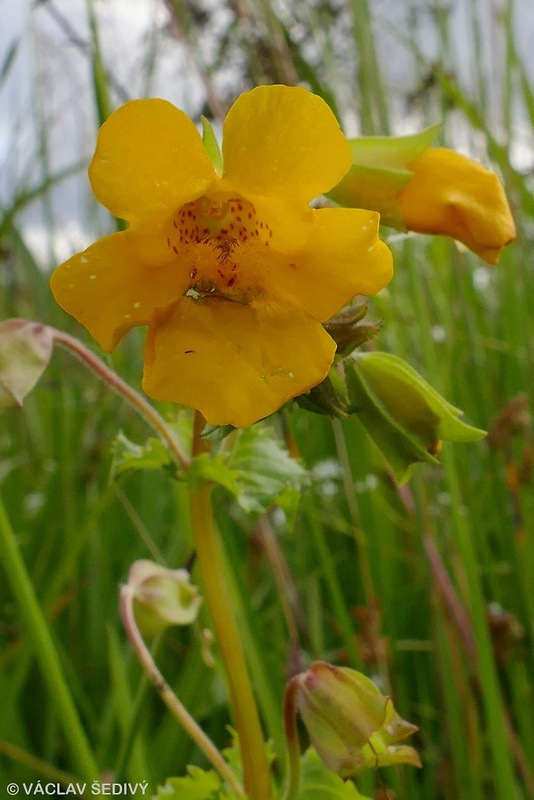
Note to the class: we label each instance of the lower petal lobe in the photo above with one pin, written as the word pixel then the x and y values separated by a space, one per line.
pixel 235 363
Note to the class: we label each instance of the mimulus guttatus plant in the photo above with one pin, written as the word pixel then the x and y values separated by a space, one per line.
pixel 234 274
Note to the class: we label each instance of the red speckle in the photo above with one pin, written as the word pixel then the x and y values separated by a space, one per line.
pixel 261 224
pixel 221 273
pixel 174 223
pixel 175 249
pixel 193 274
pixel 231 280
pixel 250 214
pixel 168 242
pixel 188 351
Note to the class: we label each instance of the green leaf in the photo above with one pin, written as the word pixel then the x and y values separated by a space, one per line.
pixel 318 783
pixel 402 413
pixel 211 145
pixel 264 468
pixel 207 785
pixel 213 469
pixel 258 471
pixel 129 456
pixel 197 785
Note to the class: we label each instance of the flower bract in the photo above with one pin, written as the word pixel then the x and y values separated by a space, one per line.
pixel 232 273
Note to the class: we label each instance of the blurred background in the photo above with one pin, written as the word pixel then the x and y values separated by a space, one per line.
pixel 428 588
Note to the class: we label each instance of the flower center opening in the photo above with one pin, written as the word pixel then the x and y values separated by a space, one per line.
pixel 224 223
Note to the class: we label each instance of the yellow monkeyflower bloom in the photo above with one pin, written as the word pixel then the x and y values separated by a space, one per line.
pixel 232 273
pixel 454 195
pixel 428 190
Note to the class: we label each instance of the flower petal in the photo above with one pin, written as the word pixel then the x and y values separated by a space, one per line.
pixel 343 257
pixel 285 141
pixel 235 363
pixel 453 195
pixel 149 160
pixel 110 288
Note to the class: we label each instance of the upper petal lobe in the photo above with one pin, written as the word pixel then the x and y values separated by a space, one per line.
pixel 284 141
pixel 149 160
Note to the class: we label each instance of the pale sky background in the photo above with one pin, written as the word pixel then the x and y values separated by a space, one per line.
pixel 48 87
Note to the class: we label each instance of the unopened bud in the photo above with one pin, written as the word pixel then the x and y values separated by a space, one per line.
pixel 162 596
pixel 350 723
pixel 348 331
pixel 25 350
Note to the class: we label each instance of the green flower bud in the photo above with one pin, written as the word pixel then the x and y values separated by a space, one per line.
pixel 351 724
pixel 162 597
pixel 405 417
pixel 348 331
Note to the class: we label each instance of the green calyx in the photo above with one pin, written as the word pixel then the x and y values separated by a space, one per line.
pixel 379 172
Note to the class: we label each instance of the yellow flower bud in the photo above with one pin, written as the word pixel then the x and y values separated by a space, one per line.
pixel 453 195
pixel 428 190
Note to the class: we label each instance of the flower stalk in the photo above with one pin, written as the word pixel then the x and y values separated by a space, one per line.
pixel 142 406
pixel 196 733
pixel 292 739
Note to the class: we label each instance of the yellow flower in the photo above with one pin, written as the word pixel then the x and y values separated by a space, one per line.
pixel 233 274
pixel 454 195
pixel 428 190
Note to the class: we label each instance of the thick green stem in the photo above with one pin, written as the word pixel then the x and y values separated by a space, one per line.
pixel 211 565
pixel 45 652
pixel 210 560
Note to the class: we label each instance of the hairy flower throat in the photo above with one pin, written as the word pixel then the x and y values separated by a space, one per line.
pixel 211 236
